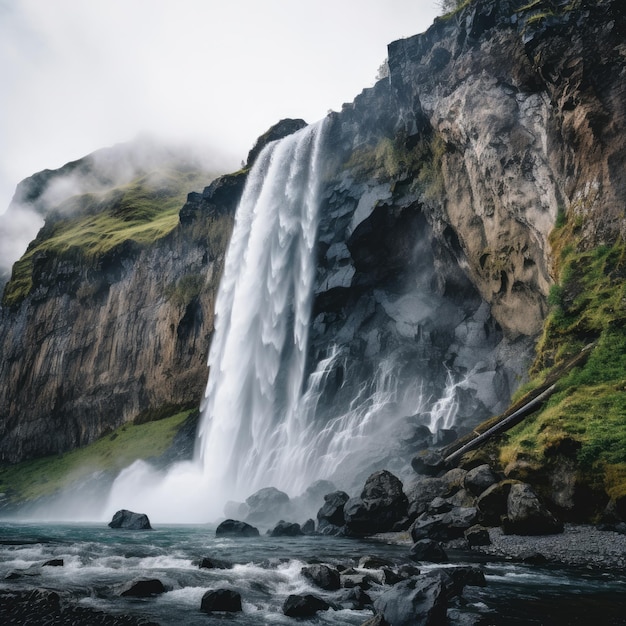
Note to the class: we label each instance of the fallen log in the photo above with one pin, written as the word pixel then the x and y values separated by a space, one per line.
pixel 516 413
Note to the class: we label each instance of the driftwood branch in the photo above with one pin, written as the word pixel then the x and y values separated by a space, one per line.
pixel 503 425
pixel 526 406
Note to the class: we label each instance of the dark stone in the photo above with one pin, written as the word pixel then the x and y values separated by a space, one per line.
pixel 389 577
pixel 377 620
pixel 281 129
pixel 421 492
pixel 354 579
pixel 308 528
pixel 446 436
pixel 130 521
pixel 420 601
pixel 429 551
pixel 479 479
pixel 144 588
pixel 355 599
pixel 477 536
pixel 267 505
pixel 235 528
pixel 493 502
pixel 225 600
pixel 331 513
pixel 526 515
pixel 286 529
pixel 54 563
pixel 374 562
pixel 211 563
pixel 382 504
pixel 428 463
pixel 322 576
pixel 406 570
pixel 445 526
pixel 463 576
pixel 304 606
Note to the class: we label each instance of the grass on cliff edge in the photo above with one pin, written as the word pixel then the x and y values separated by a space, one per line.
pixel 113 452
pixel 144 210
pixel 588 304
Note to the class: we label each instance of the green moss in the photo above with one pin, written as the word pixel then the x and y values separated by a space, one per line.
pixel 588 304
pixel 90 225
pixel 45 476
pixel 185 289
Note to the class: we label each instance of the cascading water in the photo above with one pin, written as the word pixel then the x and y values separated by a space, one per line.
pixel 264 421
pixel 251 417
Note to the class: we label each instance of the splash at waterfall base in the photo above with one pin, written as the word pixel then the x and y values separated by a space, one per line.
pixel 345 329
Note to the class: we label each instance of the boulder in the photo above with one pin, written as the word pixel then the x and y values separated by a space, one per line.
pixel 236 528
pixel 355 599
pixel 421 492
pixel 308 528
pixel 331 514
pixel 493 502
pixel 479 479
pixel 225 600
pixel 143 588
pixel 428 463
pixel 304 605
pixel 267 505
pixel 381 506
pixel 54 563
pixel 526 515
pixel 322 576
pixel 419 601
pixel 354 579
pixel 130 521
pixel 374 562
pixel 454 480
pixel 429 551
pixel 286 529
pixel 445 526
pixel 477 536
pixel 377 620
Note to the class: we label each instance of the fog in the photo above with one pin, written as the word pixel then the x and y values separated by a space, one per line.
pixel 77 76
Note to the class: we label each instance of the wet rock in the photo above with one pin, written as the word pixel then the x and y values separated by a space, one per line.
pixel 331 516
pixel 381 505
pixel 354 579
pixel 267 505
pixel 479 479
pixel 377 620
pixel 236 528
pixel 308 528
pixel 304 605
pixel 526 515
pixel 212 563
pixel 493 502
pixel 130 520
pixel 389 577
pixel 477 536
pixel 429 551
pixel 225 600
pixel 322 576
pixel 428 463
pixel 419 601
pixel 286 529
pixel 454 480
pixel 445 526
pixel 406 570
pixel 421 492
pixel 143 588
pixel 355 599
pixel 54 563
pixel 374 562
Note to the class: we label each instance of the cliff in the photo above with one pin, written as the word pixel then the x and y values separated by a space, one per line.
pixel 437 253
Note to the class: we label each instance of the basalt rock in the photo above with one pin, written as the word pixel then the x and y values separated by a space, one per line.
pixel 304 605
pixel 526 515
pixel 381 505
pixel 130 520
pixel 330 518
pixel 236 528
pixel 221 600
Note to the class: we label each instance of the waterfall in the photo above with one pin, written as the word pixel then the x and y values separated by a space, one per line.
pixel 251 414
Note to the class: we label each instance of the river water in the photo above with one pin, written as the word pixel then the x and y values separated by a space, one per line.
pixel 99 561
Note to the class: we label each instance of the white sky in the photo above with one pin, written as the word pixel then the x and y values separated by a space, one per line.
pixel 78 75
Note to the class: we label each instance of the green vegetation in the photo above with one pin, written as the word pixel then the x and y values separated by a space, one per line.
pixel 90 225
pixel 45 476
pixel 391 158
pixel 588 305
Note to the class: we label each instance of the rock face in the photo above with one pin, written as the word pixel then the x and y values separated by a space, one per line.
pixel 130 521
pixel 225 600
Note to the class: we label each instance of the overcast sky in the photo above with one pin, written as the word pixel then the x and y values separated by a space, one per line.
pixel 78 75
